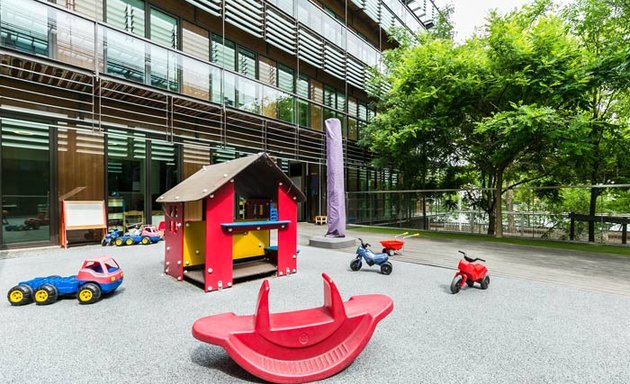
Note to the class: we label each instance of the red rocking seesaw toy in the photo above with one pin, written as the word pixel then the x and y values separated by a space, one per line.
pixel 298 346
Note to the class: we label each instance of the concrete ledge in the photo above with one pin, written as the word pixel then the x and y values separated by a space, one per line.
pixel 332 242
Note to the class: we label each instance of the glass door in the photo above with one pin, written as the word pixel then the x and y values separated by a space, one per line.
pixel 25 184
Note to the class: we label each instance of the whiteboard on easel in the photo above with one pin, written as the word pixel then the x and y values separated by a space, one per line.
pixel 84 215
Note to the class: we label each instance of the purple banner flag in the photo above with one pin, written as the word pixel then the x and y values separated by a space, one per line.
pixel 335 177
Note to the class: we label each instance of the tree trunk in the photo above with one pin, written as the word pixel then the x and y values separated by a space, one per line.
pixel 509 204
pixel 591 212
pixel 498 231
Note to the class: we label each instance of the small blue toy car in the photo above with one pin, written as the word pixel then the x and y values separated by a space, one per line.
pixel 371 258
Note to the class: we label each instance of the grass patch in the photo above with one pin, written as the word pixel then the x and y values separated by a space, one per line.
pixel 598 248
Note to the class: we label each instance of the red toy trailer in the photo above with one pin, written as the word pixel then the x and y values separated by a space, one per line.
pixel 391 247
pixel 298 346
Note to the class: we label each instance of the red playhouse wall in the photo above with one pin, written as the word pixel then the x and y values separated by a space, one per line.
pixel 287 237
pixel 219 210
pixel 174 239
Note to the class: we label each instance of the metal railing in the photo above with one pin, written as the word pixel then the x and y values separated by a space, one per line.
pixel 526 212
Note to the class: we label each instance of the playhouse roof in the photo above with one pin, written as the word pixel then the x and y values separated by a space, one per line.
pixel 255 176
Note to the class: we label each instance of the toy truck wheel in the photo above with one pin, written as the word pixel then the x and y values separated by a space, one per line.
pixel 145 241
pixel 456 284
pixel 470 283
pixel 46 294
pixel 118 242
pixel 129 241
pixel 89 293
pixel 21 294
pixel 485 282
pixel 386 268
pixel 355 265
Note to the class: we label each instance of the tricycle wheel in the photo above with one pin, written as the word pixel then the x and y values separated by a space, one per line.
pixel 355 265
pixel 89 293
pixel 456 284
pixel 129 241
pixel 21 294
pixel 104 242
pixel 470 282
pixel 145 241
pixel 485 282
pixel 118 242
pixel 46 294
pixel 386 268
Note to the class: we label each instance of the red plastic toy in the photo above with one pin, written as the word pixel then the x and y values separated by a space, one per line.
pixel 469 273
pixel 298 346
pixel 391 247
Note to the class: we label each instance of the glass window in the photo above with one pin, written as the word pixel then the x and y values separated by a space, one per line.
pixel 353 133
pixel 286 82
pixel 125 56
pixel 303 104
pixel 341 101
pixel 286 79
pixel 127 15
pixel 24 26
pixel 195 41
pixel 267 71
pixel 352 106
pixel 25 184
pixel 330 97
pixel 126 178
pixel 164 175
pixel 90 8
pixel 317 96
pixel 223 53
pixel 247 62
pixel 163 29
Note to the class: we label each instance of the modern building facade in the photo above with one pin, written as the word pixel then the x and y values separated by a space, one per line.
pixel 119 100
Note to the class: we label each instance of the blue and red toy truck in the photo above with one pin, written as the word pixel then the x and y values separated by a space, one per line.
pixel 145 235
pixel 97 276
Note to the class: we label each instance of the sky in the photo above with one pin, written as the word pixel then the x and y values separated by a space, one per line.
pixel 470 14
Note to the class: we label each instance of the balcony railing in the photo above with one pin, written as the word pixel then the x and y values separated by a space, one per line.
pixel 45 30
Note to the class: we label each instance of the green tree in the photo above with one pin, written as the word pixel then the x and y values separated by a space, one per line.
pixel 603 31
pixel 499 103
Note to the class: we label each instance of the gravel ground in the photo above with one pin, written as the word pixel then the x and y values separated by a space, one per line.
pixel 517 331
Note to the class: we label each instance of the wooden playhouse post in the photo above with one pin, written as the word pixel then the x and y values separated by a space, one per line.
pixel 174 239
pixel 218 266
pixel 287 237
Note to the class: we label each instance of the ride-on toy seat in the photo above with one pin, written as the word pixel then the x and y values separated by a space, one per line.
pixel 299 346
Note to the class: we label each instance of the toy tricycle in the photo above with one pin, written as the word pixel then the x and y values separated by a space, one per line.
pixel 371 258
pixel 391 247
pixel 470 273
pixel 97 276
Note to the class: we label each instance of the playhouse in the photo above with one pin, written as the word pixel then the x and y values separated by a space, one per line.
pixel 230 221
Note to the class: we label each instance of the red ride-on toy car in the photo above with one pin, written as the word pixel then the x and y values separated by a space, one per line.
pixel 469 273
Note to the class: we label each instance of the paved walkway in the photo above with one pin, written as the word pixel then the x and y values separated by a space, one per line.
pixel 583 270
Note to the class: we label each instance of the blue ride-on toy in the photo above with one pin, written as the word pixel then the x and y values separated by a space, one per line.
pixel 371 258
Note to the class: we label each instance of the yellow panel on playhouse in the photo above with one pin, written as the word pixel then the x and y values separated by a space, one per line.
pixel 195 243
pixel 249 244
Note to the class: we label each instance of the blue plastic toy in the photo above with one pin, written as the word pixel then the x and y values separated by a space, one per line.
pixel 371 258
pixel 97 276
pixel 111 237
